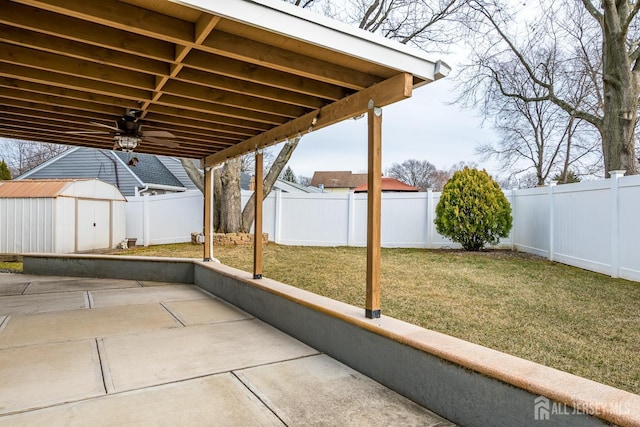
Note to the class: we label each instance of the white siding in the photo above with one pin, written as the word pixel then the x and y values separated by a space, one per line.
pixel 27 225
pixel 65 229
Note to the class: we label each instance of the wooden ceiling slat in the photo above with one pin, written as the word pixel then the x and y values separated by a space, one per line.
pixel 188 115
pixel 28 86
pixel 58 102
pixel 108 144
pixel 279 59
pixel 81 51
pixel 129 18
pixel 79 123
pixel 54 24
pixel 75 83
pixel 227 111
pixel 25 113
pixel 60 122
pixel 41 60
pixel 115 14
pixel 194 123
pixel 247 88
pixel 223 97
pixel 262 75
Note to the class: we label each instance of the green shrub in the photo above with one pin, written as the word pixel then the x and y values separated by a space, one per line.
pixel 5 174
pixel 473 210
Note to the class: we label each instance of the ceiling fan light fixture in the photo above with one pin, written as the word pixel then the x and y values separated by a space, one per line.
pixel 127 143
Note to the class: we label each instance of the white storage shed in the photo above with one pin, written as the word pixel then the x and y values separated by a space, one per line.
pixel 60 216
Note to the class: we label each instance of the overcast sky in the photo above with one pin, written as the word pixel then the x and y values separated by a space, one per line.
pixel 423 127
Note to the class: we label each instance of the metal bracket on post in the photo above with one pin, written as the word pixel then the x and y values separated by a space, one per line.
pixel 372 314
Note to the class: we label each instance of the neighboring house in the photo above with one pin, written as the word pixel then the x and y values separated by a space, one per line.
pixel 389 185
pixel 338 181
pixel 131 173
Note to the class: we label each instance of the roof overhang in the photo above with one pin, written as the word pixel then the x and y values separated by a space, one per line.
pixel 225 77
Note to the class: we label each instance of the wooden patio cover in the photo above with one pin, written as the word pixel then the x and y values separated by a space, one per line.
pixel 225 77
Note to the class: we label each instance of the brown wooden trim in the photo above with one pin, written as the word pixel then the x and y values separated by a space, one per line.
pixel 374 200
pixel 257 229
pixel 208 212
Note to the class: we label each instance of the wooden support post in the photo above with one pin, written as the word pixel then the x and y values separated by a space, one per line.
pixel 208 213
pixel 374 203
pixel 257 228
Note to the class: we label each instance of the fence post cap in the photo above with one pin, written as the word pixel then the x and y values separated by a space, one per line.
pixel 617 173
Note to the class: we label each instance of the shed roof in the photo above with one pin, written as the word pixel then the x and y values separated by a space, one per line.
pixel 33 188
pixel 390 185
pixel 224 77
pixel 52 188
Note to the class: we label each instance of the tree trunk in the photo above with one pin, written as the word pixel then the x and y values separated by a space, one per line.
pixel 565 168
pixel 230 218
pixel 193 173
pixel 269 180
pixel 620 87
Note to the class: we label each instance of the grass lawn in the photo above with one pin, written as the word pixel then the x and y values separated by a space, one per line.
pixel 570 319
pixel 10 265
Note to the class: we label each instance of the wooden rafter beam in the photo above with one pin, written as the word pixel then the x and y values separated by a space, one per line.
pixel 384 93
pixel 237 85
pixel 54 24
pixel 191 129
pixel 40 60
pixel 82 51
pixel 283 60
pixel 240 70
pixel 217 101
pixel 78 83
pixel 130 18
pixel 39 88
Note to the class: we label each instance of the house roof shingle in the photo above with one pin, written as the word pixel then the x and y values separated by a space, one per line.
pixel 150 169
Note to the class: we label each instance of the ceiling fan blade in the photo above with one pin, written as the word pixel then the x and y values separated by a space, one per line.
pixel 158 133
pixel 163 142
pixel 114 128
pixel 87 132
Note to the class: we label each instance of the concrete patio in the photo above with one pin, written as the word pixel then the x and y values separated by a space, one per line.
pixel 82 351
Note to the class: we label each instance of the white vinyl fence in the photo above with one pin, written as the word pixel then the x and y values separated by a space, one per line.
pixel 591 225
pixel 164 218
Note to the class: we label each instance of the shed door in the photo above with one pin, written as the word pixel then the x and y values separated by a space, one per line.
pixel 94 224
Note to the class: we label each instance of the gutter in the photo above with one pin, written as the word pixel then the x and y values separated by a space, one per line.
pixel 147 187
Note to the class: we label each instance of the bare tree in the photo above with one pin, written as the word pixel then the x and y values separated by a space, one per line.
pixel 596 85
pixel 22 156
pixel 439 178
pixel 423 23
pixel 305 181
pixel 541 138
pixel 419 173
